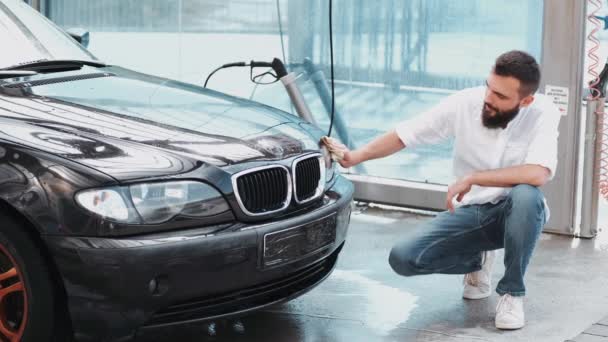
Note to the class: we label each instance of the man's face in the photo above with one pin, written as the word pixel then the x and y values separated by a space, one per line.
pixel 502 101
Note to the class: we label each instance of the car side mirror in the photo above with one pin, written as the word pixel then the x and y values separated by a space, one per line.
pixel 80 35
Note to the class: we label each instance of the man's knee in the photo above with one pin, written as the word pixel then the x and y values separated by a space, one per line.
pixel 526 215
pixel 403 260
pixel 527 197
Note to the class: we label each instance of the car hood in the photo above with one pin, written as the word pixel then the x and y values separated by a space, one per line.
pixel 132 125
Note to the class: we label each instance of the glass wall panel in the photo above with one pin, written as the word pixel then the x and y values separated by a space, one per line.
pixel 393 58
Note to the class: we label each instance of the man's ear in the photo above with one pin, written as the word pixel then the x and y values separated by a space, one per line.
pixel 526 101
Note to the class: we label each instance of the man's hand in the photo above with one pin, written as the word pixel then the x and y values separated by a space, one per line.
pixel 459 189
pixel 339 152
pixel 380 147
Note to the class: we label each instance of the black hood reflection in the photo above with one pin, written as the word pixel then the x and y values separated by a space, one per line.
pixel 131 123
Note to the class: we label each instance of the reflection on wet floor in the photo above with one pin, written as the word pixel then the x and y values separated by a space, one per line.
pixel 364 300
pixel 385 307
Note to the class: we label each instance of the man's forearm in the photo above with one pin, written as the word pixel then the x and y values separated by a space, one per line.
pixel 381 146
pixel 535 175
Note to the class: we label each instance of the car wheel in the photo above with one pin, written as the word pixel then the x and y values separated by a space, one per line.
pixel 27 303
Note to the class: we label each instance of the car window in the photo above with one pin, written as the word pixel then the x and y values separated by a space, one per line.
pixel 27 36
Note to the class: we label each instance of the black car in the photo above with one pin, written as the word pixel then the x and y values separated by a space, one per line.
pixel 130 202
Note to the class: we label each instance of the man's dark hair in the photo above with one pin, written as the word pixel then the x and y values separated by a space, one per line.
pixel 521 66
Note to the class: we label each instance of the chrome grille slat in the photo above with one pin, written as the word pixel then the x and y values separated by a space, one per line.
pixel 307 180
pixel 268 189
pixel 263 190
pixel 266 196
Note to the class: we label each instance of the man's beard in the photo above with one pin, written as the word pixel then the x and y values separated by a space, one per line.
pixel 500 119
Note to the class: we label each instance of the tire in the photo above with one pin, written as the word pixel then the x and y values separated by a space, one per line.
pixel 28 313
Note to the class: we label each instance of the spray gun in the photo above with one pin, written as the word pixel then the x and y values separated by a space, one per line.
pixel 280 74
pixel 297 99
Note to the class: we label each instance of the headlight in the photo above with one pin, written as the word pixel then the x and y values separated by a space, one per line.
pixel 154 203
pixel 107 203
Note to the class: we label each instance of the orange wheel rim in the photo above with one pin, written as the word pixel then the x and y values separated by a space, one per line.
pixel 13 298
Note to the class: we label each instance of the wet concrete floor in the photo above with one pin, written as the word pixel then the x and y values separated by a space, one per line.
pixel 364 300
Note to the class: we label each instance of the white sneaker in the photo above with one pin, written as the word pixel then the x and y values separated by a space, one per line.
pixel 510 312
pixel 477 285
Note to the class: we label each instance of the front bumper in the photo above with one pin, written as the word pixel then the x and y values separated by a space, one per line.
pixel 116 287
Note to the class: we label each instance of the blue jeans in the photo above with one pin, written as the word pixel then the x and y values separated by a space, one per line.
pixel 452 243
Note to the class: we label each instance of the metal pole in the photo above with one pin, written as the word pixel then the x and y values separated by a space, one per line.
pixel 562 65
pixel 35 4
pixel 289 81
pixel 320 83
pixel 591 174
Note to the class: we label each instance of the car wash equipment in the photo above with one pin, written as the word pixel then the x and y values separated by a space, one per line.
pixel 594 164
pixel 278 73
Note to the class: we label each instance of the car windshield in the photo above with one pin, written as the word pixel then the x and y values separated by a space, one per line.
pixel 26 36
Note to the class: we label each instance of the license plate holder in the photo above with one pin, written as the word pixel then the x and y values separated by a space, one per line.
pixel 295 243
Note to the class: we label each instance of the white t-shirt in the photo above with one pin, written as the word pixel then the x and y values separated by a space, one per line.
pixel 530 138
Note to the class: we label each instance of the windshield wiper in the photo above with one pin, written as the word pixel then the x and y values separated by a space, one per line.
pixel 16 73
pixel 54 65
